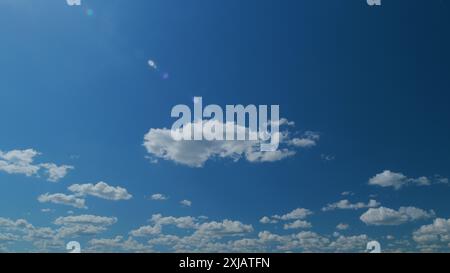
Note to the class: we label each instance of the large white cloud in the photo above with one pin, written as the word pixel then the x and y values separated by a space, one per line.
pixel 437 232
pixel 390 217
pixel 160 145
pixel 22 162
pixel 101 190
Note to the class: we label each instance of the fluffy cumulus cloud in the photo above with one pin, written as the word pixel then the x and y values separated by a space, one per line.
pixel 199 227
pixel 86 219
pixel 72 226
pixel 181 234
pixel 55 172
pixel 118 244
pixel 100 190
pixel 22 162
pixel 159 197
pixel 186 203
pixel 77 200
pixel 383 216
pixel 267 220
pixel 299 213
pixel 398 180
pixel 145 231
pixel 157 222
pixel 297 224
pixel 296 215
pixel 160 145
pixel 349 243
pixel 435 233
pixel 63 199
pixel 345 204
pixel 54 238
pixel 309 139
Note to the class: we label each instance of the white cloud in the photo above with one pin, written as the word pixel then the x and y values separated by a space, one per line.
pixel 390 217
pixel 267 220
pixel 347 193
pixel 307 241
pixel 297 224
pixel 421 181
pixel 22 162
pixel 118 244
pixel 158 221
pixel 307 141
pixel 299 213
pixel 342 226
pixel 180 222
pixel 160 144
pixel 79 230
pixel 101 190
pixel 19 162
pixel 441 180
pixel 186 203
pixel 296 214
pixel 350 243
pixel 437 232
pixel 159 197
pixel 4 237
pixel 86 219
pixel 63 199
pixel 398 180
pixel 83 225
pixel 303 142
pixel 345 204
pixel 145 231
pixel 55 172
pixel 389 179
pixel 224 228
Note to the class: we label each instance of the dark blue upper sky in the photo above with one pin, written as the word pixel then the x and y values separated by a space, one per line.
pixel 373 82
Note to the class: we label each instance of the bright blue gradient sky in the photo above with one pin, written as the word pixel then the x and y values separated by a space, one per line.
pixel 373 82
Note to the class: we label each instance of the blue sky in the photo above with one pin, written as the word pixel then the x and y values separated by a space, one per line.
pixel 370 82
